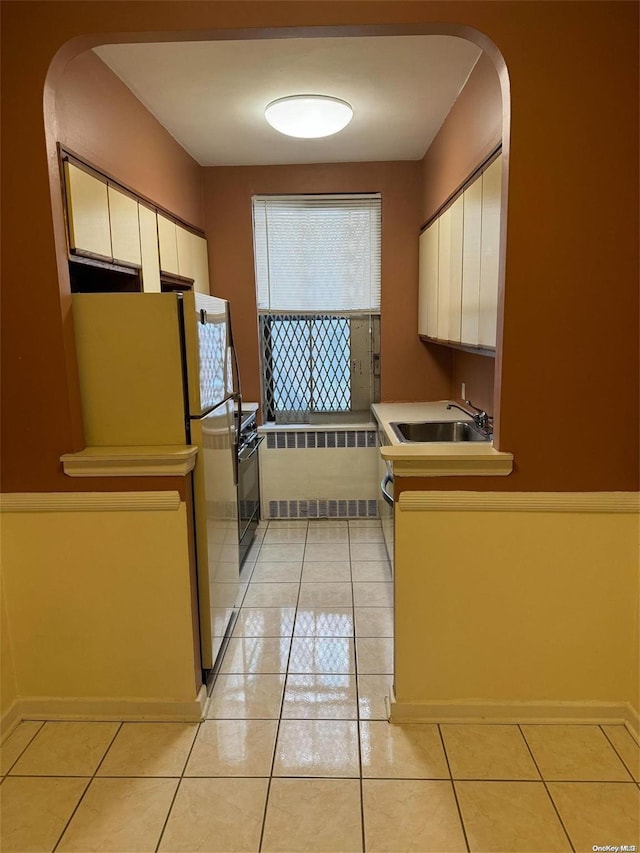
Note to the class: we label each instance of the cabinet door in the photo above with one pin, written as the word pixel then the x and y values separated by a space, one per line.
pixel 185 251
pixel 490 259
pixel 125 229
pixel 428 287
pixel 444 274
pixel 200 265
pixel 471 262
pixel 456 222
pixel 149 249
pixel 88 213
pixel 167 240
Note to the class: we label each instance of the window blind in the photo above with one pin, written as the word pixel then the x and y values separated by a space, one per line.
pixel 317 253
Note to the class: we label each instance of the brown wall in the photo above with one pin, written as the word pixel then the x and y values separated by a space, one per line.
pixel 478 373
pixel 94 114
pixel 470 132
pixel 468 135
pixel 570 338
pixel 101 120
pixel 409 371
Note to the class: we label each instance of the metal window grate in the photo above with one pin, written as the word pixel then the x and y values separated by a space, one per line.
pixel 307 365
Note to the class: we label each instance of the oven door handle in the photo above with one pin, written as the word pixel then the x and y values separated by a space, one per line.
pixel 388 478
pixel 253 450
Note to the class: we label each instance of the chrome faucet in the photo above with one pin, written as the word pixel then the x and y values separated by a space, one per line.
pixel 479 416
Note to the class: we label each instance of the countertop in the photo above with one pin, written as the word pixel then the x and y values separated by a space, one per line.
pixel 437 459
pixel 146 461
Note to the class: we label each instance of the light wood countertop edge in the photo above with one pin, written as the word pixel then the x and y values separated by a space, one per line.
pixel 131 461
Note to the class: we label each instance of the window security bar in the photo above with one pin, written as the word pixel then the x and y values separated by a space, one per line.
pixel 307 365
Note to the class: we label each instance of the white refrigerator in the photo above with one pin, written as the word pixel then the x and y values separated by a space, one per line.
pixel 160 369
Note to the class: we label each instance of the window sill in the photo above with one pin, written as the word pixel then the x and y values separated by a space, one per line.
pixel 320 427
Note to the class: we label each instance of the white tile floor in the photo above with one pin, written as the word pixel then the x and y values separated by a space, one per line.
pixel 296 754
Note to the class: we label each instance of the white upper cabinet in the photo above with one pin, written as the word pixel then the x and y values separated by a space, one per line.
pixel 472 200
pixel 185 251
pixel 149 249
pixel 490 254
pixel 200 265
pixel 110 224
pixel 428 283
pixel 168 243
pixel 88 213
pixel 125 228
pixel 192 259
pixel 444 264
pixel 459 266
pixel 456 221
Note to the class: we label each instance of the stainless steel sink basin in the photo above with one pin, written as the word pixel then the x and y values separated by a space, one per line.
pixel 438 431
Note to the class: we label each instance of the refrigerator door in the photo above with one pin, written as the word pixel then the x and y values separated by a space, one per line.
pixel 208 351
pixel 216 522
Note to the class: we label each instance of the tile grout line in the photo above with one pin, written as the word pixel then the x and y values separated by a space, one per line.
pixel 618 754
pixel 330 719
pixel 453 788
pixel 544 782
pixel 355 660
pixel 180 779
pixel 193 743
pixel 88 785
pixel 284 690
pixel 27 745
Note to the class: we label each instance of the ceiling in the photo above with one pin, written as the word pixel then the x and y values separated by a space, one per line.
pixel 211 96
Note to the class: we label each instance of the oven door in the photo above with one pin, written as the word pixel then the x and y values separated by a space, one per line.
pixel 248 492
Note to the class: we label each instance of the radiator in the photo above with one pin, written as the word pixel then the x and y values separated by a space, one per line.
pixel 324 473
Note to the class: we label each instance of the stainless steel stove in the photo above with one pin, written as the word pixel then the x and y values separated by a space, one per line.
pixel 248 482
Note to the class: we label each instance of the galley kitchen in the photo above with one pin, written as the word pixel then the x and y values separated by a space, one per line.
pixel 300 411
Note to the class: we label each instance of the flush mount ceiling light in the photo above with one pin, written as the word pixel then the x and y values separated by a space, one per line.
pixel 308 116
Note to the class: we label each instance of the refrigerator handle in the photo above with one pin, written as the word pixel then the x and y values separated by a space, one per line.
pixel 236 392
pixel 234 356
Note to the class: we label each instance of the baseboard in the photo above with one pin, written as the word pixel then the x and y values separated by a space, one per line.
pixel 126 710
pixel 9 720
pixel 609 713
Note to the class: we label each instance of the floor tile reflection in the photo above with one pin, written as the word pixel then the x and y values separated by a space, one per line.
pixel 321 655
pixel 328 696
pixel 324 622
pixel 265 622
pixel 247 696
pixel 233 748
pixel 402 752
pixel 256 655
pixel 317 748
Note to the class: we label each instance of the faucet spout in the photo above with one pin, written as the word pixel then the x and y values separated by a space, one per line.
pixel 479 416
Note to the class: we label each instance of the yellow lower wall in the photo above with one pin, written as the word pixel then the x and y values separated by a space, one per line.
pixel 8 691
pixel 99 605
pixel 530 606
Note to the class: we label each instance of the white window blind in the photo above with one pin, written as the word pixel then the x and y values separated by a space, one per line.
pixel 317 253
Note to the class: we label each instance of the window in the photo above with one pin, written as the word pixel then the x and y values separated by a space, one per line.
pixel 317 261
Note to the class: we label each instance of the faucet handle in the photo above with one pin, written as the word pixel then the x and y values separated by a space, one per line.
pixel 475 408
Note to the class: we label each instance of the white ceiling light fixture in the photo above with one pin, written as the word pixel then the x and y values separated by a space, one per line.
pixel 308 116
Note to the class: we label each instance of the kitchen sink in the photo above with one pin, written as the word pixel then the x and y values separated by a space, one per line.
pixel 438 431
